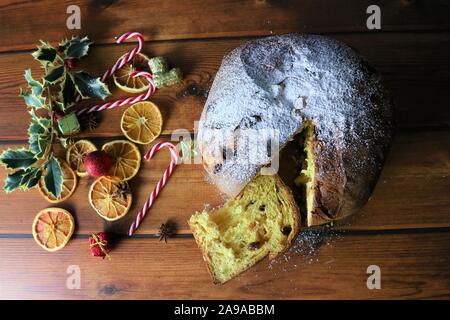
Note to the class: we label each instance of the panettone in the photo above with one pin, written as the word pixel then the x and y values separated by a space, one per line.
pixel 306 108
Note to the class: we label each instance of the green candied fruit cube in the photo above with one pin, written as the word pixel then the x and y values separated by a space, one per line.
pixel 169 78
pixel 158 65
pixel 69 124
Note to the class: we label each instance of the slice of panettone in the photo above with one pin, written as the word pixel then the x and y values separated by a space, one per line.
pixel 262 220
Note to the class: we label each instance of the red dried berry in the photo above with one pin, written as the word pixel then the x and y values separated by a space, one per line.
pixel 58 114
pixel 99 244
pixel 70 63
pixel 60 48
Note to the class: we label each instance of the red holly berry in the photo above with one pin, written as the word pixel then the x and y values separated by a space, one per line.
pixel 58 114
pixel 97 163
pixel 60 48
pixel 70 63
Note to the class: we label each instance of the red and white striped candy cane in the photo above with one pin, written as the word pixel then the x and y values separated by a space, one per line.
pixel 161 183
pixel 126 57
pixel 122 102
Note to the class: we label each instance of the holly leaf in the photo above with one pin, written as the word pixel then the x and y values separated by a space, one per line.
pixel 55 74
pixel 17 159
pixel 39 144
pixel 68 92
pixel 76 47
pixel 22 179
pixel 90 87
pixel 39 135
pixel 53 177
pixel 30 178
pixel 63 44
pixel 32 100
pixel 36 86
pixel 45 54
pixel 58 104
pixel 39 125
pixel 12 181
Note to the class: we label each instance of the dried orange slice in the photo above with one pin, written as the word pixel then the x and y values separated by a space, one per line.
pixel 125 158
pixel 123 79
pixel 110 198
pixel 142 122
pixel 68 186
pixel 76 153
pixel 52 228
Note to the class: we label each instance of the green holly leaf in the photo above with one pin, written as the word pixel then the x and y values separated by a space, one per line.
pixel 39 125
pixel 63 44
pixel 17 159
pixel 68 94
pixel 59 105
pixel 34 144
pixel 76 47
pixel 55 74
pixel 32 100
pixel 90 87
pixel 45 54
pixel 12 181
pixel 53 177
pixel 30 178
pixel 39 144
pixel 23 179
pixel 39 135
pixel 43 142
pixel 36 86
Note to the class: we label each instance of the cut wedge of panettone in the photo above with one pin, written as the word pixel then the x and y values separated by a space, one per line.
pixel 262 220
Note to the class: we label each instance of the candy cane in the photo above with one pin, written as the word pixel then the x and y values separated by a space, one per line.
pixel 122 102
pixel 161 183
pixel 126 57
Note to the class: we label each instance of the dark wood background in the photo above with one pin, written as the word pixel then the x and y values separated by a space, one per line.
pixel 404 228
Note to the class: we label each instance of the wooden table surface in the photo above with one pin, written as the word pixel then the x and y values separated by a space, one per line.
pixel 404 228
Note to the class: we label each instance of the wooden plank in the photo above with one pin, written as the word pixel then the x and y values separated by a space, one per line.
pixel 416 74
pixel 102 20
pixel 412 192
pixel 413 265
pixel 413 187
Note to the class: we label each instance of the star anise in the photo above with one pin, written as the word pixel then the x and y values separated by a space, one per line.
pixel 165 231
pixel 122 190
pixel 90 121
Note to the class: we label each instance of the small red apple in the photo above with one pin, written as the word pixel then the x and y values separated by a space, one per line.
pixel 97 163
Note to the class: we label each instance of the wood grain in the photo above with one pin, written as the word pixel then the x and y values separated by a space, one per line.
pixel 412 192
pixel 415 72
pixel 319 267
pixel 171 19
pixel 404 228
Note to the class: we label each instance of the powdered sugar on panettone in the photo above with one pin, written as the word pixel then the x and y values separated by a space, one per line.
pixel 277 83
